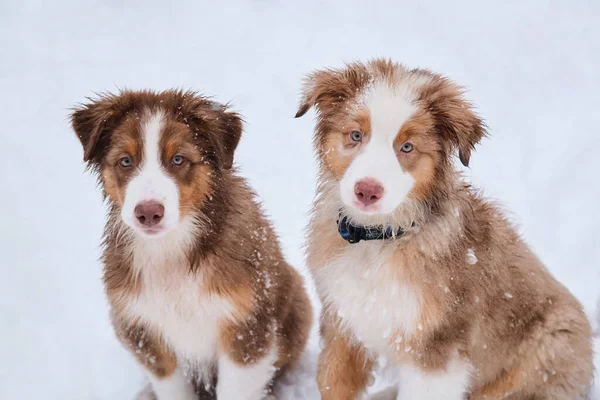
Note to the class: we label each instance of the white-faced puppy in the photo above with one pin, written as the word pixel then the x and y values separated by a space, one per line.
pixel 193 270
pixel 412 264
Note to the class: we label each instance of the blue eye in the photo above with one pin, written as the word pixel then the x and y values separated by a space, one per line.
pixel 178 160
pixel 407 147
pixel 356 136
pixel 125 162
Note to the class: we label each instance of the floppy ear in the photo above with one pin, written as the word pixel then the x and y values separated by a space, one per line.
pixel 454 117
pixel 230 138
pixel 313 87
pixel 331 87
pixel 225 128
pixel 91 122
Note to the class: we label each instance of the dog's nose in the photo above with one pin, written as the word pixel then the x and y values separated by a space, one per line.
pixel 149 213
pixel 368 191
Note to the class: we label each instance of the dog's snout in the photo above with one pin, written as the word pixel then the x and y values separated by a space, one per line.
pixel 368 191
pixel 149 213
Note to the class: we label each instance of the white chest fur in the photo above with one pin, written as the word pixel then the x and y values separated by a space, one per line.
pixel 175 304
pixel 362 286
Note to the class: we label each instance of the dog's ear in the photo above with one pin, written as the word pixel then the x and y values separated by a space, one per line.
pixel 92 122
pixel 329 87
pixel 224 126
pixel 231 124
pixel 314 86
pixel 454 117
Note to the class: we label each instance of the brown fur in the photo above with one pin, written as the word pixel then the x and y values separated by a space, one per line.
pixel 523 333
pixel 235 254
pixel 344 366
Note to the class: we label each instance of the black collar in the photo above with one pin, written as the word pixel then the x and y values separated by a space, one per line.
pixel 354 233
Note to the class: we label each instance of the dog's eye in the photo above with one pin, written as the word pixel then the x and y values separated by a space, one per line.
pixel 356 136
pixel 178 160
pixel 125 162
pixel 407 147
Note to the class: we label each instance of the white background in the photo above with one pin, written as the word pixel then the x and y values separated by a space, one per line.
pixel 531 67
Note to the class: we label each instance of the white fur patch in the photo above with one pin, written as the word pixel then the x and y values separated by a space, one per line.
pixel 389 108
pixel 175 303
pixel 377 310
pixel 174 387
pixel 245 382
pixel 451 384
pixel 151 183
pixel 151 253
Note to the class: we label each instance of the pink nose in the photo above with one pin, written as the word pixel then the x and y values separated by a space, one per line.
pixel 368 191
pixel 149 213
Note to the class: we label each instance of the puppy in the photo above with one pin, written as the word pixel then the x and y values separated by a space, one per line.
pixel 413 265
pixel 194 274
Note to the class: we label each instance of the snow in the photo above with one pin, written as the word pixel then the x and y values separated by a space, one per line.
pixel 531 68
pixel 471 257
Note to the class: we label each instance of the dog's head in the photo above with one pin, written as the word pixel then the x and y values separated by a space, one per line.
pixel 159 156
pixel 387 134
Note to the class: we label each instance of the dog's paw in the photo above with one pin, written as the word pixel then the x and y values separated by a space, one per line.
pixel 146 394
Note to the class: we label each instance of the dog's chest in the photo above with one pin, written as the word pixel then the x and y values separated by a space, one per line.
pixel 175 304
pixel 362 285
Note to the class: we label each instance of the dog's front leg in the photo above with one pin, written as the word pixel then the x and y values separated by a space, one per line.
pixel 167 379
pixel 344 366
pixel 248 359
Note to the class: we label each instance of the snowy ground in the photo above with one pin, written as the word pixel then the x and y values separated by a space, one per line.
pixel 531 67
